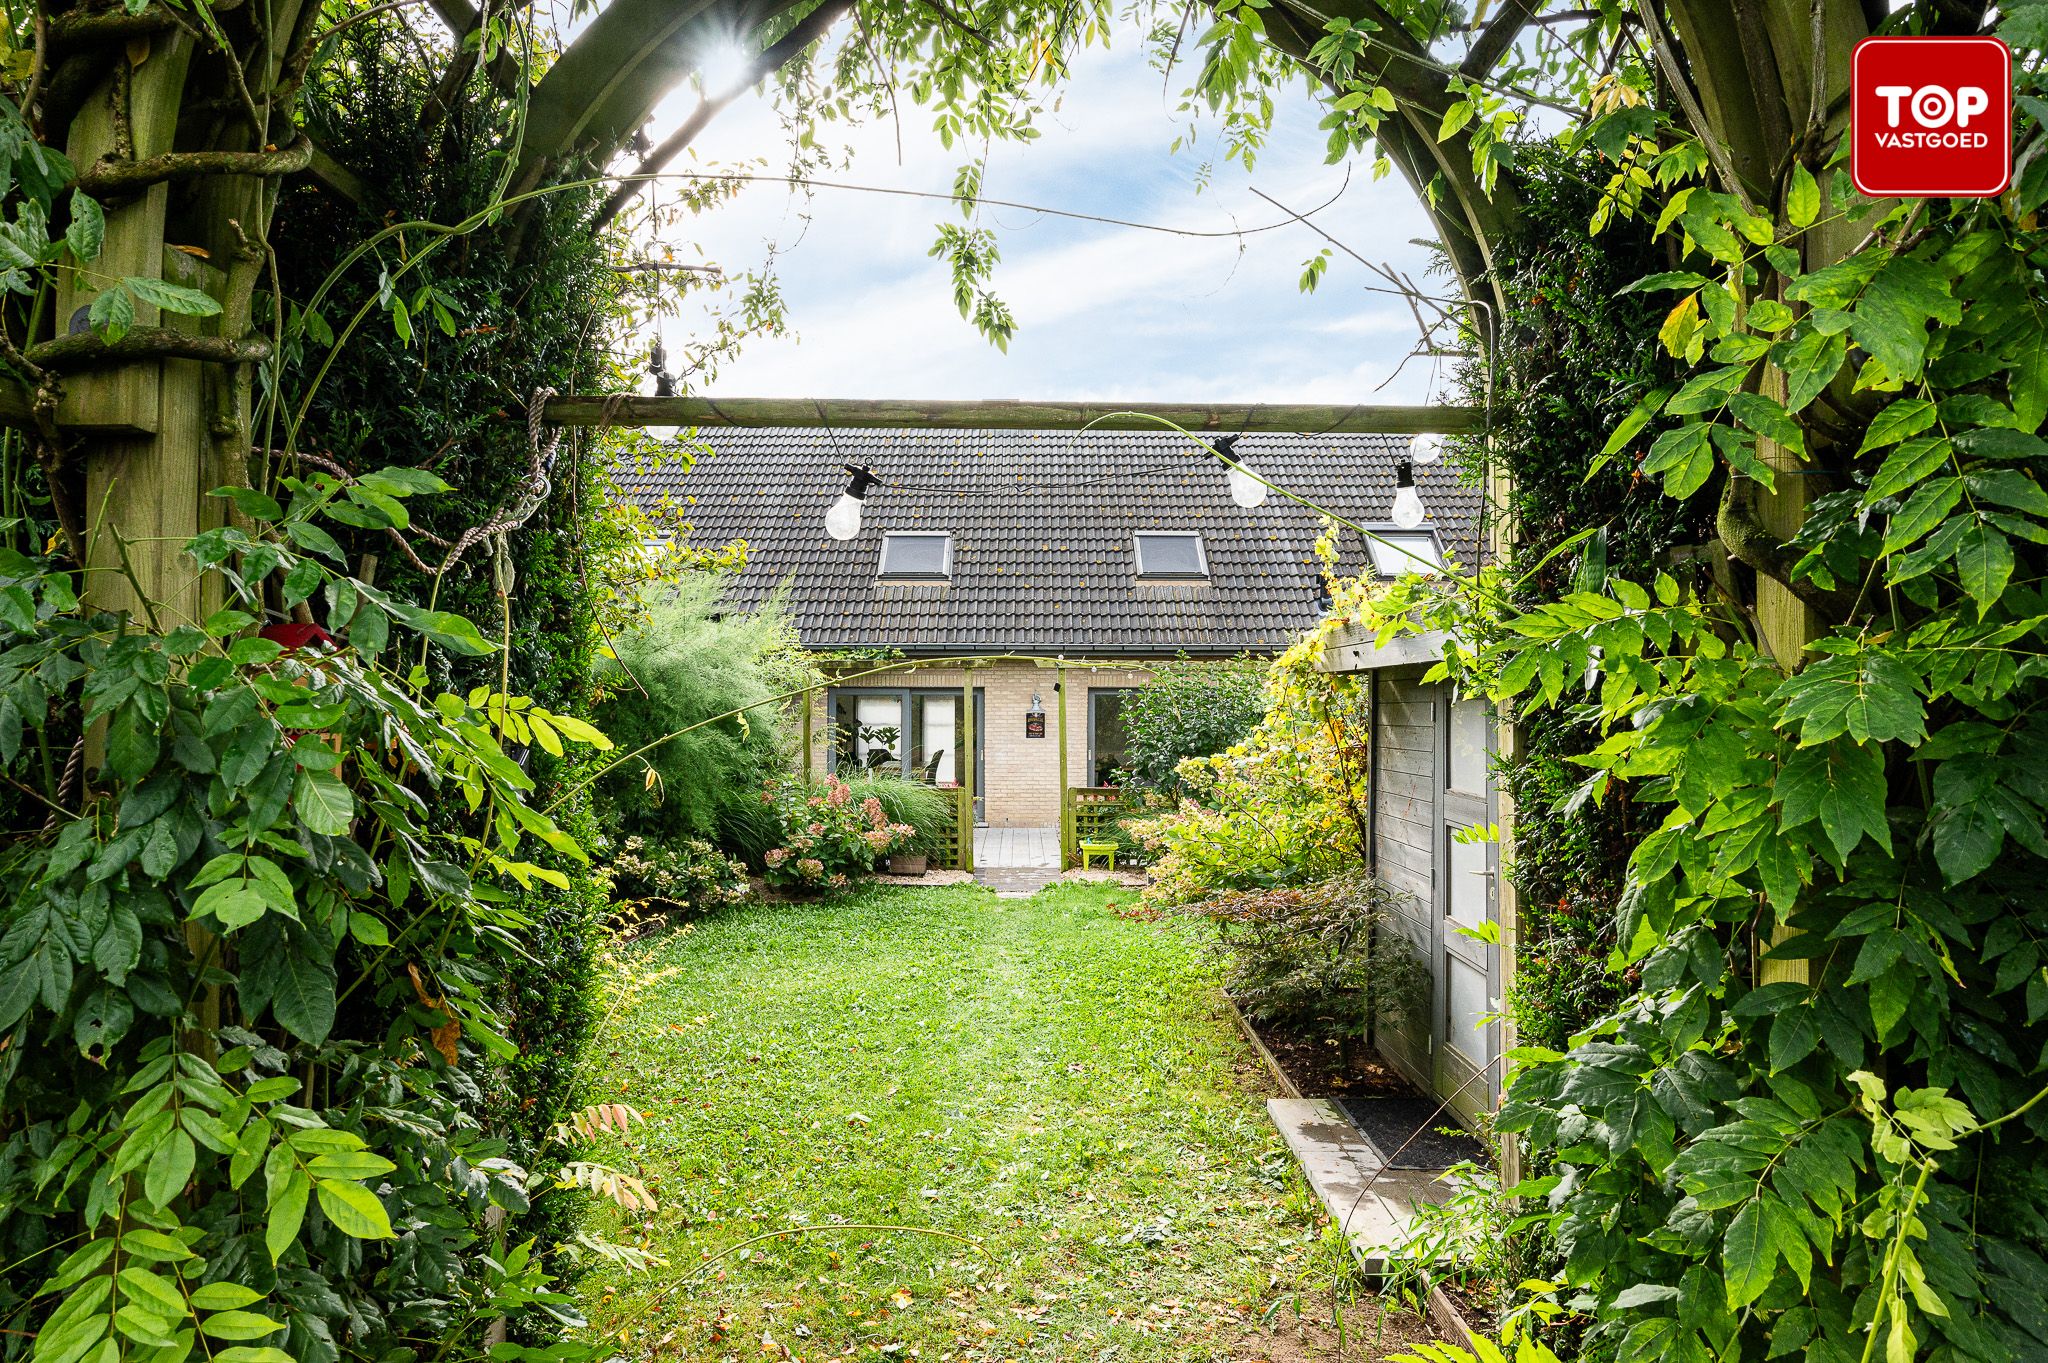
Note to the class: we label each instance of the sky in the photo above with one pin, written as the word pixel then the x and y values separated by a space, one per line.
pixel 1102 312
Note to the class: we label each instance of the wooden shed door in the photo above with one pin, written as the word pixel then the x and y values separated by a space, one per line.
pixel 1466 1041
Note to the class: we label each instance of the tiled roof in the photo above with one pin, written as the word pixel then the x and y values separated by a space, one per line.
pixel 1042 524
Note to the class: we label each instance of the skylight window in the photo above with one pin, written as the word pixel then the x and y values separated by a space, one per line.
pixel 1172 556
pixel 1396 553
pixel 916 556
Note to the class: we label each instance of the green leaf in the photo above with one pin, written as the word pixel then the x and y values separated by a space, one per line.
pixel 1907 416
pixel 1871 696
pixel 1984 565
pixel 2007 487
pixel 354 1210
pixel 1926 508
pixel 350 1164
pixel 1967 840
pixel 224 1296
pixel 1810 361
pixel 240 1325
pixel 1802 197
pixel 304 999
pixel 1666 279
pixel 1840 784
pixel 170 1169
pixel 1769 419
pixel 287 1214
pixel 112 314
pixel 1913 460
pixel 1749 1253
pixel 323 802
pixel 173 297
pixel 88 230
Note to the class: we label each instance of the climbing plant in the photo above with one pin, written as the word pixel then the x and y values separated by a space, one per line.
pixel 1814 1122
pixel 1578 350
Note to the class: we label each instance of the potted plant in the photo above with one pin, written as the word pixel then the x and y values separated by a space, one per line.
pixel 908 863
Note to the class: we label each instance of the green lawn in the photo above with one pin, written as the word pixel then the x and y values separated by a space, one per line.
pixel 1045 1080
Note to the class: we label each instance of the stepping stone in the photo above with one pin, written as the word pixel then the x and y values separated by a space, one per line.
pixel 1372 1204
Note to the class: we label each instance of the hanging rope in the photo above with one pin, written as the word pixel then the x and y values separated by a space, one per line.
pixel 530 496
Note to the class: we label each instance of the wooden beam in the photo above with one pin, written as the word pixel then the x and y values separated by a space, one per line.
pixel 1010 414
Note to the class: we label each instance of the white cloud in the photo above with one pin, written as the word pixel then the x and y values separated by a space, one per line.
pixel 1102 311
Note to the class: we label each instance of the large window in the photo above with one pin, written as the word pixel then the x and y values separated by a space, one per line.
pixel 916 556
pixel 916 733
pixel 1396 553
pixel 1171 556
pixel 1106 733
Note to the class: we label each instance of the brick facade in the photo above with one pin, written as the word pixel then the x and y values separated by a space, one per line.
pixel 1021 782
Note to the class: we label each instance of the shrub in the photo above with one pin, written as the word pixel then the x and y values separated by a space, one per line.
pixel 1324 959
pixel 928 810
pixel 1285 806
pixel 1191 709
pixel 689 874
pixel 691 661
pixel 828 838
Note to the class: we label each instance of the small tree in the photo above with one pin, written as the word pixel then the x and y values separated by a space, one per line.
pixel 1192 709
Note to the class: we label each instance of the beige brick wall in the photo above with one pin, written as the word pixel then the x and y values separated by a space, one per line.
pixel 1021 775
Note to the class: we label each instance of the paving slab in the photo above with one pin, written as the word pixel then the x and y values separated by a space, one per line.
pixel 1372 1204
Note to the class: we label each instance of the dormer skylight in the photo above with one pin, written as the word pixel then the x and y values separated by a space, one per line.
pixel 1396 553
pixel 1171 556
pixel 916 556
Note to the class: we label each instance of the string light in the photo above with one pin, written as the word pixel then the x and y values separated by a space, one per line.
pixel 1408 510
pixel 842 522
pixel 1425 447
pixel 1247 489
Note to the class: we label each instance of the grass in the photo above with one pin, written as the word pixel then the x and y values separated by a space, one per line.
pixel 1046 1083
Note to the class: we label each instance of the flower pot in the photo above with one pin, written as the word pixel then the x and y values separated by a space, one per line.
pixel 908 863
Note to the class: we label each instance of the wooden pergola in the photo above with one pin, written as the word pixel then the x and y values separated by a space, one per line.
pixel 1013 414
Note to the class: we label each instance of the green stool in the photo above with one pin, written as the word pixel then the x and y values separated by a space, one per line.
pixel 1105 850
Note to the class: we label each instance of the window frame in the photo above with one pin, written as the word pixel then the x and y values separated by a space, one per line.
pixel 945 572
pixel 1143 574
pixel 1383 538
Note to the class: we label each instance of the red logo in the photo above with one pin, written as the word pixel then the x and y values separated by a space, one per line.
pixel 1931 117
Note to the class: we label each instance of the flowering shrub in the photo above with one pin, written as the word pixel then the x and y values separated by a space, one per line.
pixel 1284 806
pixel 826 836
pixel 687 873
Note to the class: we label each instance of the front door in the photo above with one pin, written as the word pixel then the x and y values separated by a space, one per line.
pixel 1466 1041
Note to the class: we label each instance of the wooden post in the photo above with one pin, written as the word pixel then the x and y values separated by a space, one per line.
pixel 810 700
pixel 1059 686
pixel 966 762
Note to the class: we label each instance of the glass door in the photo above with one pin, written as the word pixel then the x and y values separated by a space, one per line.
pixel 916 733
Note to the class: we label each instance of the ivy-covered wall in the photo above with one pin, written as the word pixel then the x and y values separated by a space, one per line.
pixel 1575 355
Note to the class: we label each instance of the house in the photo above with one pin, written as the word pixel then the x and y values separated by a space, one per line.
pixel 1006 552
pixel 1051 571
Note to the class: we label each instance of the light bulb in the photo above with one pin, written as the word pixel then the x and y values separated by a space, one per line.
pixel 1246 488
pixel 1425 448
pixel 842 522
pixel 1407 507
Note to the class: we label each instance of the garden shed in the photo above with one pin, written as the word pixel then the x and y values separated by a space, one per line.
pixel 1433 813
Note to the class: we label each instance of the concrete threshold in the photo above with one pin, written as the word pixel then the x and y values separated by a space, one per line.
pixel 1373 1205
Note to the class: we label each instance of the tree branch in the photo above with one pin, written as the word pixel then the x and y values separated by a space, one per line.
pixel 1751 542
pixel 107 178
pixel 1496 38
pixel 70 354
